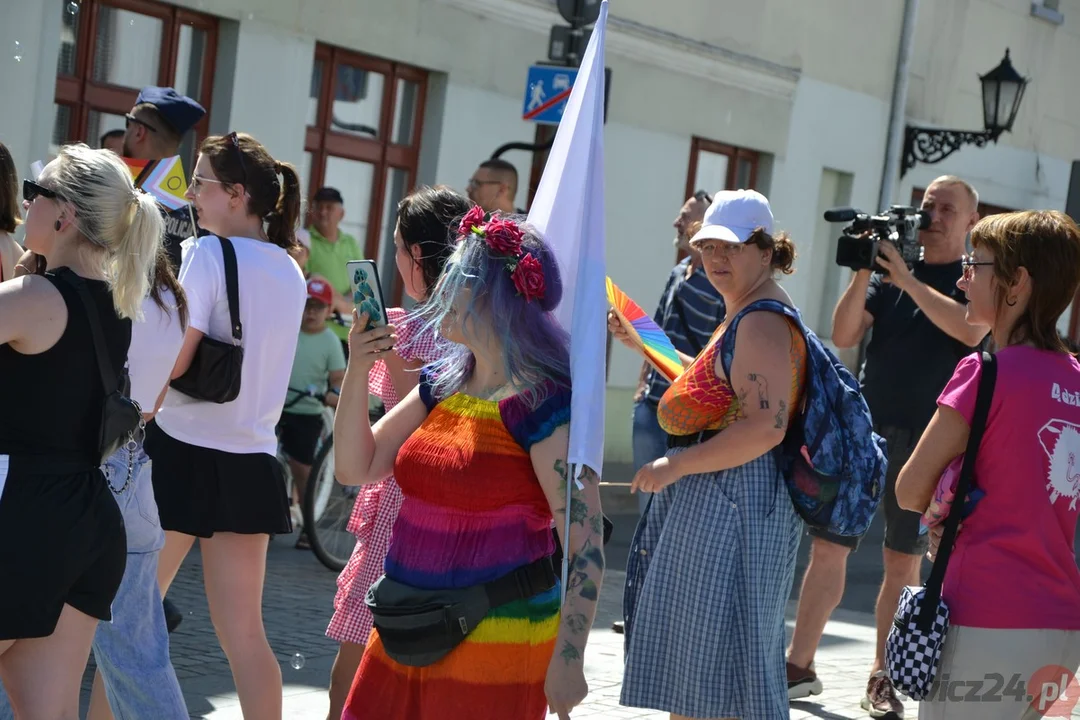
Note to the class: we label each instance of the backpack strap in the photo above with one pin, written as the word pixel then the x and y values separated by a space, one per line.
pixel 727 344
pixel 232 287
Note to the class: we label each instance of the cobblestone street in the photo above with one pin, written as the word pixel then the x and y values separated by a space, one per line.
pixel 298 600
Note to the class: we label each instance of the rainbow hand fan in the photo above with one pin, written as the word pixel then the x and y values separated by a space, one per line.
pixel 164 179
pixel 645 333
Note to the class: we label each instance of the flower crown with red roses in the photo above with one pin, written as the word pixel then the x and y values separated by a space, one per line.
pixel 504 238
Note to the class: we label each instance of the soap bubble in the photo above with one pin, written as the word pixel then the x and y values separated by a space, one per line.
pixel 73 8
pixel 251 16
pixel 131 23
pixel 298 661
pixel 17 51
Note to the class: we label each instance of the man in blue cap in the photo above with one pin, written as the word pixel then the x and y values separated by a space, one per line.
pixel 155 128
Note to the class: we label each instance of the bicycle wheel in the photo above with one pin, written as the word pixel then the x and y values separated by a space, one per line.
pixel 327 507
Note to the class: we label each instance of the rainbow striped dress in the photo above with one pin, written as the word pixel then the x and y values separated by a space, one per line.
pixel 473 511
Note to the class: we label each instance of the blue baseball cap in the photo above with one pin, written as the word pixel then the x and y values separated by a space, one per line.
pixel 179 111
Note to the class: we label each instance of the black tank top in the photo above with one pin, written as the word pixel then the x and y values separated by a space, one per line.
pixel 53 400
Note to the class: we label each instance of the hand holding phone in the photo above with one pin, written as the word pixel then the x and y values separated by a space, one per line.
pixel 367 294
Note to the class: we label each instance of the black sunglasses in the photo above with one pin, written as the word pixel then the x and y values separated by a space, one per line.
pixel 129 118
pixel 234 142
pixel 31 190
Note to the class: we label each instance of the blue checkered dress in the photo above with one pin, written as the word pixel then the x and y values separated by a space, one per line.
pixel 707 582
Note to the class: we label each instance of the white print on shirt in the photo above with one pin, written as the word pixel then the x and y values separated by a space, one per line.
pixel 1064 396
pixel 1061 441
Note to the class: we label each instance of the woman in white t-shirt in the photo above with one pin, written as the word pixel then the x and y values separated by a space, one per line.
pixel 216 475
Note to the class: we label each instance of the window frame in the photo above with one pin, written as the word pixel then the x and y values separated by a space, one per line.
pixel 84 95
pixel 322 142
pixel 734 155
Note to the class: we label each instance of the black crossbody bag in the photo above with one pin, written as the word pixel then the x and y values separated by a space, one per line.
pixel 419 627
pixel 120 415
pixel 214 373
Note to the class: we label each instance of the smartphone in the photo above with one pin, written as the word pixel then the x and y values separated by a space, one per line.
pixel 367 291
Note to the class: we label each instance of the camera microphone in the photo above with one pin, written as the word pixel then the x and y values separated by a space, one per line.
pixel 839 215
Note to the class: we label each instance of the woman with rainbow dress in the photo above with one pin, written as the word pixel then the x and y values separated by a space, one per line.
pixel 468 622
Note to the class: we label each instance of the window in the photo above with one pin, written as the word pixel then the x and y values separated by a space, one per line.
pixel 363 138
pixel 715 166
pixel 1048 10
pixel 110 49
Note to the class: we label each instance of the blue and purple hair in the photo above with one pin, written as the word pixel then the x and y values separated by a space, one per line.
pixel 535 348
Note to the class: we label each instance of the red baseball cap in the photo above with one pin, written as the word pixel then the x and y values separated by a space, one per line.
pixel 318 289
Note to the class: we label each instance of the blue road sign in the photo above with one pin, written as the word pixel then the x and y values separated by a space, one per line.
pixel 546 92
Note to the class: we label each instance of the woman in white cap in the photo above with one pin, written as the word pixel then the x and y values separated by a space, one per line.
pixel 713 558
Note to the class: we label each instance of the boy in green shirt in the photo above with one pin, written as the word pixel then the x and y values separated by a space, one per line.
pixel 318 368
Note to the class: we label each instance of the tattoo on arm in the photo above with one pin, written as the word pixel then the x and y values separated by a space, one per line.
pixel 781 416
pixel 570 653
pixel 579 510
pixel 762 390
pixel 740 413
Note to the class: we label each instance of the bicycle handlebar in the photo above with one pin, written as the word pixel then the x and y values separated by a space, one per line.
pixel 301 394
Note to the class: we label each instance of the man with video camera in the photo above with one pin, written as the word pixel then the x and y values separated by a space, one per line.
pixel 919 335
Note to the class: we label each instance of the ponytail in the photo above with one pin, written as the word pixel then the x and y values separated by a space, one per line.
pixel 132 259
pixel 164 279
pixel 283 219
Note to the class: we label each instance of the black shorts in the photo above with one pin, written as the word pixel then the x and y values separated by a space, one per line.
pixel 901 526
pixel 62 542
pixel 299 434
pixel 201 491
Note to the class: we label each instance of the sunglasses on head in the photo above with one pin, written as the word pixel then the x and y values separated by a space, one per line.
pixel 31 190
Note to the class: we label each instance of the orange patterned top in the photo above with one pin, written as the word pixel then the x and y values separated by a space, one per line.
pixel 698 400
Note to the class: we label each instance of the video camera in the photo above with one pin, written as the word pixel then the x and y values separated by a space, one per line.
pixel 858 247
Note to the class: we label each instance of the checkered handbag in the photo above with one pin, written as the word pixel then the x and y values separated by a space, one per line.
pixel 913 647
pixel 912 653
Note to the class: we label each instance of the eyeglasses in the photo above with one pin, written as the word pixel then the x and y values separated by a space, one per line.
pixel 198 180
pixel 31 190
pixel 474 183
pixel 723 249
pixel 129 118
pixel 970 263
pixel 234 142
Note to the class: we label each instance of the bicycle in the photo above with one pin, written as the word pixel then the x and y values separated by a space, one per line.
pixel 326 505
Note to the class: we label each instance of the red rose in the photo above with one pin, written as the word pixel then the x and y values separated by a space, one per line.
pixel 473 219
pixel 503 237
pixel 528 278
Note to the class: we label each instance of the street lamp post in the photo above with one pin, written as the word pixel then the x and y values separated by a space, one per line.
pixel 1002 90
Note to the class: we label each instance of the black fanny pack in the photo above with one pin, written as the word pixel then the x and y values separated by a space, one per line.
pixel 419 627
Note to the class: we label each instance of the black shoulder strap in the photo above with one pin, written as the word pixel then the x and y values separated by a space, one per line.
pixel 232 287
pixel 108 377
pixel 987 380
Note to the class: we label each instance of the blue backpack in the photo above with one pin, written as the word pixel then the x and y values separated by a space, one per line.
pixel 832 461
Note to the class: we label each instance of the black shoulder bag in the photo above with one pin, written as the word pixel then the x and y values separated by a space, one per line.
pixel 120 415
pixel 913 648
pixel 214 373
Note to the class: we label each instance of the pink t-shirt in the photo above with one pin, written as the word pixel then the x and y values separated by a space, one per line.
pixel 1013 566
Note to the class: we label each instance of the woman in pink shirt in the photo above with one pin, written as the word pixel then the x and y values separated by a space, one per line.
pixel 1012 584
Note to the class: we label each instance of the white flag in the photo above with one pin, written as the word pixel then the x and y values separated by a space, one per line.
pixel 569 211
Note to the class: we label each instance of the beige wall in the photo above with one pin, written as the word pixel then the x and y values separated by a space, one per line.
pixel 957 40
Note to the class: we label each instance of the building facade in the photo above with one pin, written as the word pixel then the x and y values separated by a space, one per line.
pixel 374 97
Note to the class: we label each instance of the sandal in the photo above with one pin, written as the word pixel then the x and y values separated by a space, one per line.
pixel 302 542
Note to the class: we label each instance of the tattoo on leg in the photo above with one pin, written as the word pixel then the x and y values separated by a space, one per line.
pixel 781 416
pixel 762 390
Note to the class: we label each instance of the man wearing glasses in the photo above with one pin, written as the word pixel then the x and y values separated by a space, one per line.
pixel 920 334
pixel 155 128
pixel 493 187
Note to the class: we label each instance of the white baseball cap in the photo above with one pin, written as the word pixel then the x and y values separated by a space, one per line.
pixel 734 215
pixel 303 237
